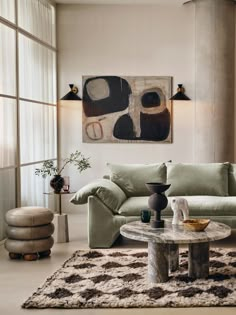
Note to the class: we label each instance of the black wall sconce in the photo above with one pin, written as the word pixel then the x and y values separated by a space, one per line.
pixel 180 96
pixel 72 95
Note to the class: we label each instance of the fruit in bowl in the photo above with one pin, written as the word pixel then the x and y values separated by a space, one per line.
pixel 196 225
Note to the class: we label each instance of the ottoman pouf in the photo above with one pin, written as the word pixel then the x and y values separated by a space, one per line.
pixel 29 232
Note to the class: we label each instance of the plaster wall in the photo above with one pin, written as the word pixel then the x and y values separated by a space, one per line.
pixel 125 40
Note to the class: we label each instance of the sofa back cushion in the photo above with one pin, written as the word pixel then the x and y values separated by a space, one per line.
pixel 131 178
pixel 197 179
pixel 232 179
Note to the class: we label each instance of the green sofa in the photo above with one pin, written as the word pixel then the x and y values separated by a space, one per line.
pixel 210 190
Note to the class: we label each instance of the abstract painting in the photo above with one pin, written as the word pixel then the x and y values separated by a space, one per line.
pixel 127 109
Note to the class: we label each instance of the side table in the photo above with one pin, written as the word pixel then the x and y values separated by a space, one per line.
pixel 61 232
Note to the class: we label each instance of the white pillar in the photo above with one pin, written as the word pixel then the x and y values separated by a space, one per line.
pixel 214 82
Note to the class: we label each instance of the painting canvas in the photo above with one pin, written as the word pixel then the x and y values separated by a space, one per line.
pixel 127 109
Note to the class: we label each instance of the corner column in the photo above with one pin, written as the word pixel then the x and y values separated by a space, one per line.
pixel 214 89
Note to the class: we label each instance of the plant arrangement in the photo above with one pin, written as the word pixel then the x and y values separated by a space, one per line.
pixel 49 169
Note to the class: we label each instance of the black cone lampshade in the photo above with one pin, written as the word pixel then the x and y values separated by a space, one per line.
pixel 180 96
pixel 72 95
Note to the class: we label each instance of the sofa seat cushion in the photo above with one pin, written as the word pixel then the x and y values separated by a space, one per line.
pixel 198 205
pixel 133 206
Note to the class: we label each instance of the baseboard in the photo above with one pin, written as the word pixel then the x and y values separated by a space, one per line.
pixel 2 242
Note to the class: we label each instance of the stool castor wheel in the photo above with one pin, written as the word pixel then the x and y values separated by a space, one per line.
pixel 44 254
pixel 30 257
pixel 15 256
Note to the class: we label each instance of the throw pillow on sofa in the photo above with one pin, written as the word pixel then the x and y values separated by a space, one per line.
pixel 197 179
pixel 131 178
pixel 107 191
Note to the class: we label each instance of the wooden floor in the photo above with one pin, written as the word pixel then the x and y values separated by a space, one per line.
pixel 18 279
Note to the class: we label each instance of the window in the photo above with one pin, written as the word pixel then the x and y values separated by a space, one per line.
pixel 7 195
pixel 7 60
pixel 27 101
pixel 33 184
pixel 38 18
pixel 7 9
pixel 37 71
pixel 41 120
pixel 8 132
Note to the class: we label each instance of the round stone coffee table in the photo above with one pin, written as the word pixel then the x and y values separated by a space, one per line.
pixel 163 247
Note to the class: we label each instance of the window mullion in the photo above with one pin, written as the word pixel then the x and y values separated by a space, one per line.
pixel 18 170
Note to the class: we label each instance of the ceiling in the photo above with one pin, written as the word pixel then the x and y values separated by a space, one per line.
pixel 165 2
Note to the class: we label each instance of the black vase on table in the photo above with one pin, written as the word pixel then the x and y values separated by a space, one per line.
pixel 157 202
pixel 57 183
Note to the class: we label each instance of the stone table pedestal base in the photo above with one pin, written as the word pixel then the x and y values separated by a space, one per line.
pixel 198 260
pixel 173 257
pixel 158 262
pixel 165 257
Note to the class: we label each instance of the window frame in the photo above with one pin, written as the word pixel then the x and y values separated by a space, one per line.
pixel 20 31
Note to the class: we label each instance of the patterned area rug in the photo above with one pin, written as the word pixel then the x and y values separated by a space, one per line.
pixel 109 278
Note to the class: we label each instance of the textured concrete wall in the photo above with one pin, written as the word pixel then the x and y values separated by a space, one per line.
pixel 214 108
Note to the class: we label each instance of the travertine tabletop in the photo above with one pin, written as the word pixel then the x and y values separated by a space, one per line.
pixel 174 234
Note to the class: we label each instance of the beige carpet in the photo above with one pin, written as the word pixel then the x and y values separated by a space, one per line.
pixel 118 278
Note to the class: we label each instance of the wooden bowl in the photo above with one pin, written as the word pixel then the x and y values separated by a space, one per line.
pixel 196 225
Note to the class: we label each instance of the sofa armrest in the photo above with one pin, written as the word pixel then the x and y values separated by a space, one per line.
pixel 108 192
pixel 103 224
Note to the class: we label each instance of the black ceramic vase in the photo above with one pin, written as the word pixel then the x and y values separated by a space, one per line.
pixel 157 202
pixel 57 183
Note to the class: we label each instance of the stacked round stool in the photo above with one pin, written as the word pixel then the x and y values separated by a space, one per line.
pixel 29 233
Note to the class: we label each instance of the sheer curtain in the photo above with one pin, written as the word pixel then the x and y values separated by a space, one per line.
pixel 7 196
pixel 38 18
pixel 7 159
pixel 28 114
pixel 40 144
pixel 7 60
pixel 37 92
pixel 7 9
pixel 37 70
pixel 31 183
pixel 8 132
pixel 7 112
